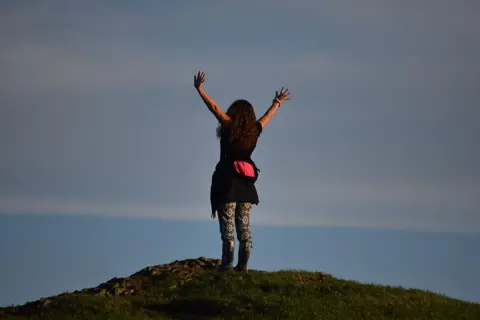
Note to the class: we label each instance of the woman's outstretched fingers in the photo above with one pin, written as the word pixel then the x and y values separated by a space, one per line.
pixel 283 95
pixel 198 79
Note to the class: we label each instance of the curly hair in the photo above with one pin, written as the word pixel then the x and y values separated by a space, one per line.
pixel 242 131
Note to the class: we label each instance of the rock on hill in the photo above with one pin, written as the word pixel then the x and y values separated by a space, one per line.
pixel 192 289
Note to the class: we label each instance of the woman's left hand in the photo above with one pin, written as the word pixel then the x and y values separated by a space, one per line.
pixel 198 79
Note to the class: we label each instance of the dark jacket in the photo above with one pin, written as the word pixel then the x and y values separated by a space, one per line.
pixel 227 185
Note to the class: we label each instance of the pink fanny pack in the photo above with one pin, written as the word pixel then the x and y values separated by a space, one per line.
pixel 244 168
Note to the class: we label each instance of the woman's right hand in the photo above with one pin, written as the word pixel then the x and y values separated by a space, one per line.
pixel 198 79
pixel 282 96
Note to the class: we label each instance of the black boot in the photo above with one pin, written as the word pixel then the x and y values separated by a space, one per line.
pixel 243 256
pixel 227 256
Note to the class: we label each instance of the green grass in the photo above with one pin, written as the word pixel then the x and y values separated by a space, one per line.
pixel 285 294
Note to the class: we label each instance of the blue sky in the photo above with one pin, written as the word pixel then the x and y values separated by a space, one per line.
pixel 98 116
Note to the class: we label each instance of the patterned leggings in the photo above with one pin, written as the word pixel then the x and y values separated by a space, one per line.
pixel 231 215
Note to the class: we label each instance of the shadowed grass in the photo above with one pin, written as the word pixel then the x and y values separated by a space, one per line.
pixel 285 294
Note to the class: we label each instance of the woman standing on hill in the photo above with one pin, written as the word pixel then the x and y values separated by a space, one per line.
pixel 233 189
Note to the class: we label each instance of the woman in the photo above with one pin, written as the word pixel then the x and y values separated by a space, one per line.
pixel 233 189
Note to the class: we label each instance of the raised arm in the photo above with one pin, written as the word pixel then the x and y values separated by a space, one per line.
pixel 277 101
pixel 221 116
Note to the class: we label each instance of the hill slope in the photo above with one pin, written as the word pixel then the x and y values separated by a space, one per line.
pixel 192 289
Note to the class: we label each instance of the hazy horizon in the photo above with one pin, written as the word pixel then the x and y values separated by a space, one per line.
pixel 72 252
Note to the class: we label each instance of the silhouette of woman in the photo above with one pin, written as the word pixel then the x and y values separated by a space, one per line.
pixel 233 191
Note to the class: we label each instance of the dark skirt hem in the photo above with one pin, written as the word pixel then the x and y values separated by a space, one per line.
pixel 228 187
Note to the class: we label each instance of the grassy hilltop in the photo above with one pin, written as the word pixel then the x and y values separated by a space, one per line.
pixel 192 289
